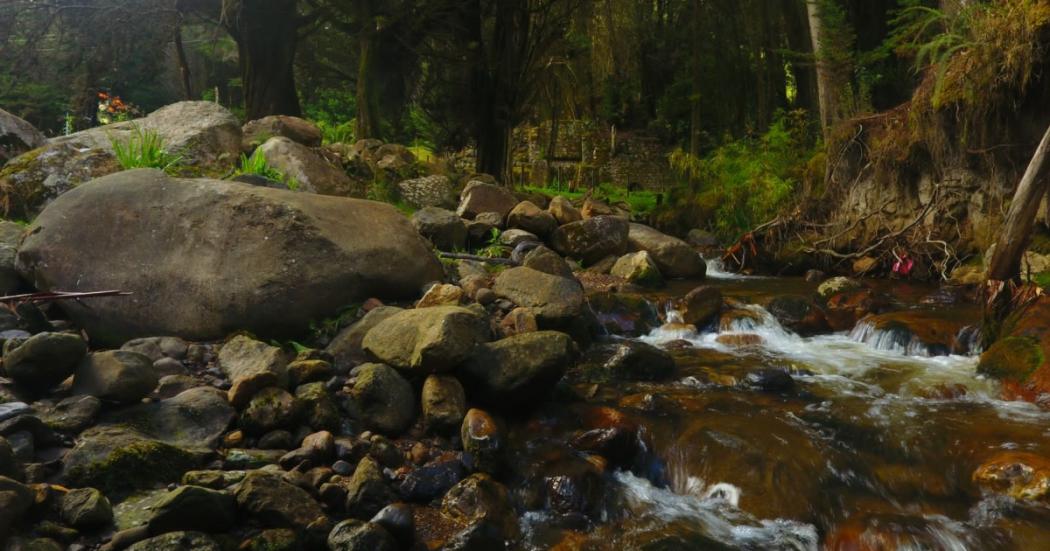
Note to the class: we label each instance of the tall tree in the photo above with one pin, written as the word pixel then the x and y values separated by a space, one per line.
pixel 266 32
pixel 824 80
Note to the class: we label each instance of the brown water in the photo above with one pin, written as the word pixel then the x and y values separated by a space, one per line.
pixel 868 448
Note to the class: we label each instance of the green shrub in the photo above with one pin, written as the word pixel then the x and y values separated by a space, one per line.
pixel 256 165
pixel 144 149
pixel 337 133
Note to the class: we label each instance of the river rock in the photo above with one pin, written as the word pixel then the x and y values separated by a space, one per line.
pixel 119 459
pixel 674 257
pixel 700 306
pixel 518 370
pixel 553 299
pixel 514 237
pixel 428 191
pixel 563 211
pixel 639 361
pixel 177 541
pixel 204 135
pixel 1020 475
pixel 444 403
pixel 517 321
pixel 73 414
pixel 1020 358
pixel 426 340
pixel 837 285
pixel 592 239
pixel 483 441
pixel 115 376
pixel 442 227
pixel 43 360
pixel 845 308
pixel 799 314
pixel 193 508
pixel 638 268
pixel 251 365
pixel 478 197
pixel 547 261
pixel 8 462
pixel 320 410
pixel 15 499
pixel 291 258
pixel 257 132
pixel 431 481
pixel 306 170
pixel 157 348
pixel 85 508
pixel 397 518
pixel 367 490
pixel 527 216
pixel 383 399
pixel 17 136
pixel 441 294
pixel 275 502
pixel 346 348
pixel 270 409
pixel 197 417
pixel 357 535
pixel 480 500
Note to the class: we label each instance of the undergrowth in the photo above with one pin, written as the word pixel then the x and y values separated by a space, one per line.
pixel 144 149
pixel 256 165
pixel 640 202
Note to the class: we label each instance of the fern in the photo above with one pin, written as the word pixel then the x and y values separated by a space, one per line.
pixel 933 36
pixel 144 149
pixel 256 165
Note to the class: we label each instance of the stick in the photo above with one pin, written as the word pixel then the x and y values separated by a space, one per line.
pixel 60 295
pixel 463 256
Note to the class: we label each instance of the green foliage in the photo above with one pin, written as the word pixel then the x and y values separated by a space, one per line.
pixel 327 328
pixel 256 165
pixel 144 149
pixel 493 249
pixel 337 133
pixel 932 36
pixel 640 203
pixel 743 183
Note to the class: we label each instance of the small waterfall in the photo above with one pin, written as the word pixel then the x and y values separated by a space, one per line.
pixel 716 269
pixel 899 340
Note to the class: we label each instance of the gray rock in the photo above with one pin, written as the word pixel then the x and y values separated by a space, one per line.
pixel 8 462
pixel 442 227
pixel 700 306
pixel 518 370
pixel 674 257
pixel 368 491
pixel 319 408
pixel 299 257
pixel 638 268
pixel 156 348
pixel 553 299
pixel 203 134
pixel 115 376
pixel 444 403
pixel 345 347
pixel 43 360
pixel 383 399
pixel 275 502
pixel 547 261
pixel 12 409
pixel 17 136
pixel 429 191
pixel 197 417
pixel 527 216
pixel 638 361
pixel 73 414
pixel 837 285
pixel 478 197
pixel 251 365
pixel 480 500
pixel 86 508
pixel 257 132
pixel 426 340
pixel 118 460
pixel 270 409
pixel 592 239
pixel 193 508
pixel 514 237
pixel 307 170
pixel 563 211
pixel 357 535
pixel 177 541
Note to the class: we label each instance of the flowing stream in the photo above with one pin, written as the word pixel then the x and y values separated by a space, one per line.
pixel 871 443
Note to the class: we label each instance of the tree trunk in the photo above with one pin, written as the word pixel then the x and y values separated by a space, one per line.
pixel 367 118
pixel 1020 219
pixel 265 31
pixel 184 66
pixel 494 150
pixel 697 84
pixel 824 100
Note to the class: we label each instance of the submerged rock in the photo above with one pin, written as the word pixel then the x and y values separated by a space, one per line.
pixel 1021 356
pixel 639 361
pixel 205 258
pixel 799 314
pixel 838 285
pixel 518 370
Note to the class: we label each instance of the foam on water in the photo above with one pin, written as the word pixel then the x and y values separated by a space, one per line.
pixel 713 509
pixel 716 269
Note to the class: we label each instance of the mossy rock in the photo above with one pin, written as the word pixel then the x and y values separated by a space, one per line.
pixel 1012 359
pixel 118 460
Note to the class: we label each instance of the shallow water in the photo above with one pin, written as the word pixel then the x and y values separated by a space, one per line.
pixel 873 445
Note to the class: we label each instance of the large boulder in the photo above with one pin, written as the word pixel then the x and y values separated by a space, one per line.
pixel 305 170
pixel 520 369
pixel 427 340
pixel 674 257
pixel 10 238
pixel 1020 358
pixel 197 417
pixel 203 258
pixel 442 227
pixel 204 135
pixel 428 191
pixel 479 197
pixel 118 460
pixel 17 136
pixel 553 299
pixel 257 132
pixel 592 239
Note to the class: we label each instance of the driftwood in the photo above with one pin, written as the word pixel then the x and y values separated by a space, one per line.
pixel 1017 228
pixel 59 295
pixel 464 256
